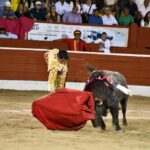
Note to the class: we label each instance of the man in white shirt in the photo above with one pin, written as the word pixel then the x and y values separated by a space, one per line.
pixel 108 19
pixel 62 7
pixel 104 43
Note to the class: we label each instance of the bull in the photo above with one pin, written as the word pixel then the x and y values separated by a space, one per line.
pixel 103 85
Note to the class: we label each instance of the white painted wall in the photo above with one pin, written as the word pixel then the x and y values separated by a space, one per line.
pixel 42 86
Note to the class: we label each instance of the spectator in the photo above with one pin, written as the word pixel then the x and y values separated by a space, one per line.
pixel 118 7
pixel 77 44
pixel 144 8
pixel 131 5
pixel 38 13
pixel 104 43
pixel 73 16
pixel 76 3
pixel 2 4
pixel 7 12
pixel 107 18
pixel 52 15
pixel 22 11
pixel 126 19
pixel 62 7
pixel 95 18
pixel 7 35
pixel 88 8
pixel 99 4
pixel 139 3
pixel 15 4
pixel 146 21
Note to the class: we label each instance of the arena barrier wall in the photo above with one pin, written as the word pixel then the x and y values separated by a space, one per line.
pixel 29 64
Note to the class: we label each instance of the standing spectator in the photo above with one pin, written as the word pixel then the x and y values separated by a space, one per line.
pixel 21 11
pixel 126 19
pixel 2 4
pixel 144 8
pixel 73 16
pixel 77 44
pixel 87 8
pixel 146 21
pixel 99 4
pixel 95 18
pixel 107 18
pixel 7 11
pixel 7 35
pixel 38 13
pixel 15 4
pixel 52 15
pixel 104 43
pixel 62 7
pixel 76 3
pixel 139 3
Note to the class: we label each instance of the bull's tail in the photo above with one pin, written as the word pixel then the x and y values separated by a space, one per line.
pixel 90 67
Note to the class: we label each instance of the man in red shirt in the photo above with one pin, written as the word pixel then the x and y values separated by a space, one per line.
pixel 77 44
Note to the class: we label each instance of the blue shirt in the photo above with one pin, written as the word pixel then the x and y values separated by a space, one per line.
pixel 92 19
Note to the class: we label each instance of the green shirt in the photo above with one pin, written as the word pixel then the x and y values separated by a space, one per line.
pixel 126 20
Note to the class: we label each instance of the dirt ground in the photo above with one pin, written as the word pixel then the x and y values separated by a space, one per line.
pixel 19 130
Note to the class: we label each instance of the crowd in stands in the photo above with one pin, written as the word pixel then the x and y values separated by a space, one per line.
pixel 102 12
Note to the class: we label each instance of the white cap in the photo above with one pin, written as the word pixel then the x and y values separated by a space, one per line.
pixel 38 3
pixel 7 4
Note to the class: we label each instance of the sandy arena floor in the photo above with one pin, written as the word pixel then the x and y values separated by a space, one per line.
pixel 20 131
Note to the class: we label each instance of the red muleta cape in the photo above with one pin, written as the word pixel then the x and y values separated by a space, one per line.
pixel 67 109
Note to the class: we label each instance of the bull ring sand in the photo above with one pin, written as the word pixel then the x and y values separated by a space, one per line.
pixel 19 130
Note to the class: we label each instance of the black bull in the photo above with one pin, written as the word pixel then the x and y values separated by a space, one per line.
pixel 107 97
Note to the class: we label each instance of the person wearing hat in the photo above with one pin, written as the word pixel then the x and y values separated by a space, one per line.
pixel 77 44
pixel 38 13
pixel 7 12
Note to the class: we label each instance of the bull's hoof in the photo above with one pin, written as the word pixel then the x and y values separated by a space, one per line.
pixel 125 123
pixel 117 128
pixel 119 131
pixel 103 128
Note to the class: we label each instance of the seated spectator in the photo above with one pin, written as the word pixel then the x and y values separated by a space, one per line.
pixel 146 21
pixel 38 13
pixel 95 18
pixel 52 15
pixel 126 19
pixel 77 44
pixel 75 3
pixel 7 35
pixel 87 9
pixel 144 8
pixel 22 11
pixel 104 43
pixel 73 16
pixel 62 7
pixel 107 18
pixel 7 12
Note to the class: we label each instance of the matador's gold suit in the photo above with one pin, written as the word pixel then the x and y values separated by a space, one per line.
pixel 57 71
